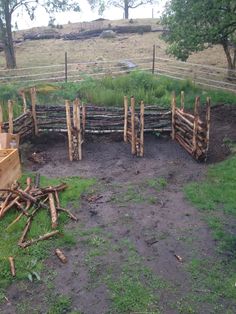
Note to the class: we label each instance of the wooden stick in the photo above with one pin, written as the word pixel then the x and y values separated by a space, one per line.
pixel 195 123
pixel 83 118
pixel 142 129
pixel 10 116
pixel 53 211
pixel 133 142
pixel 182 101
pixel 57 199
pixel 24 102
pixel 208 118
pixel 68 121
pixel 14 221
pixel 61 256
pixel 125 117
pixel 72 216
pixel 1 118
pixel 40 238
pixel 173 116
pixel 33 104
pixel 12 266
pixel 79 130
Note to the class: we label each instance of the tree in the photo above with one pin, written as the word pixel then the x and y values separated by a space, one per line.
pixel 194 25
pixel 8 7
pixel 123 4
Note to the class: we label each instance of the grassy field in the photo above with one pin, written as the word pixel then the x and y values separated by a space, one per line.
pixel 48 52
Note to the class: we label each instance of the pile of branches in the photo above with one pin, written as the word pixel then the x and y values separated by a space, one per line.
pixel 29 201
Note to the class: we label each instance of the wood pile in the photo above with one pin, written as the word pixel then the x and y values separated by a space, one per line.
pixel 29 201
pixel 126 29
pixel 189 130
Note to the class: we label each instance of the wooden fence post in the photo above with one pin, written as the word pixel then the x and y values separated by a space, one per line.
pixel 153 58
pixel 10 116
pixel 1 118
pixel 141 129
pixel 125 117
pixel 33 104
pixel 182 101
pixel 66 67
pixel 24 102
pixel 83 119
pixel 208 117
pixel 195 123
pixel 133 137
pixel 68 121
pixel 173 116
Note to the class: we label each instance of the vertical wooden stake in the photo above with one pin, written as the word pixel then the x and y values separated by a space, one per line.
pixel 153 58
pixel 142 129
pixel 10 116
pixel 182 101
pixel 1 118
pixel 125 118
pixel 68 121
pixel 79 132
pixel 33 103
pixel 24 102
pixel 83 118
pixel 66 67
pixel 208 117
pixel 133 142
pixel 173 116
pixel 195 123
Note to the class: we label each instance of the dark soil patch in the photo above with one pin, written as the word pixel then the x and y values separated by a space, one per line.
pixel 157 220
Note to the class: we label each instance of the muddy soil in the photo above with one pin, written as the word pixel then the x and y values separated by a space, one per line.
pixel 160 223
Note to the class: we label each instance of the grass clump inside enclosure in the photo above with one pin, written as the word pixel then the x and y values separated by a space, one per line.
pixel 109 91
pixel 29 261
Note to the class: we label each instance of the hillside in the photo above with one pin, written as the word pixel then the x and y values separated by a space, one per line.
pixel 124 46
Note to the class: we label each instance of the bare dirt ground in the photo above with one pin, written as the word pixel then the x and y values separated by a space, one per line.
pixel 134 214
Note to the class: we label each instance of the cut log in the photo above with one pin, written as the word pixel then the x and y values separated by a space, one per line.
pixel 12 266
pixel 61 256
pixel 53 211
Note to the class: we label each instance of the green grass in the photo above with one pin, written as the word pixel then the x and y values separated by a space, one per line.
pixel 218 190
pixel 108 91
pixel 132 287
pixel 60 305
pixel 215 196
pixel 157 183
pixel 29 261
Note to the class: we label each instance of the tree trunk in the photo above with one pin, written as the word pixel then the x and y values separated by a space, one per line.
pixel 8 41
pixel 231 59
pixel 126 9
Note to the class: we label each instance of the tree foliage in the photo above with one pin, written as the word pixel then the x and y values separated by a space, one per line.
pixel 8 7
pixel 194 25
pixel 123 4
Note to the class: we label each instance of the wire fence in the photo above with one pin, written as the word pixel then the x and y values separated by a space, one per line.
pixel 199 74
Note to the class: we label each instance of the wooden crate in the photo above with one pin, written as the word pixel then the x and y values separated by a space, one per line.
pixel 10 167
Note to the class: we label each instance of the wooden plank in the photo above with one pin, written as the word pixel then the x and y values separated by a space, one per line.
pixel 133 143
pixel 142 129
pixel 33 104
pixel 68 121
pixel 125 117
pixel 10 116
pixel 10 168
